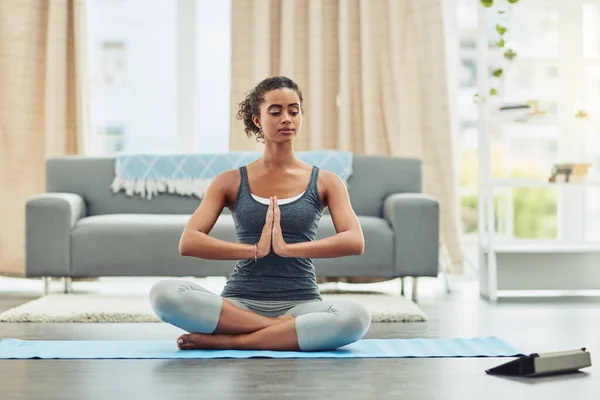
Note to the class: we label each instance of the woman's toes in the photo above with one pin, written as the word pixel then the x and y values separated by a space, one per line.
pixel 187 346
pixel 182 339
pixel 184 342
pixel 192 341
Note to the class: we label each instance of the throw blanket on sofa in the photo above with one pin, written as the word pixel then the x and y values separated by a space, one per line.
pixel 147 175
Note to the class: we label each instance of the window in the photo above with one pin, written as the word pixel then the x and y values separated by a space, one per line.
pixel 114 139
pixel 113 63
pixel 161 68
pixel 557 73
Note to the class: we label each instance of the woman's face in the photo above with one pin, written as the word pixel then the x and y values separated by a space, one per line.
pixel 280 115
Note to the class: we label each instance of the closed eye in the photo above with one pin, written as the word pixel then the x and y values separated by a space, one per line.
pixel 294 113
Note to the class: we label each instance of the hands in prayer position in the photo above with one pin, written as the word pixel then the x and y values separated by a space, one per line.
pixel 272 236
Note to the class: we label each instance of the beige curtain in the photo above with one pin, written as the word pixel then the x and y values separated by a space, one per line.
pixel 41 112
pixel 374 79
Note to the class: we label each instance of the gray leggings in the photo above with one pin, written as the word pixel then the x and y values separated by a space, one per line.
pixel 320 325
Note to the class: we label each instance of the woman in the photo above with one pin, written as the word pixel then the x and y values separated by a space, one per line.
pixel 271 301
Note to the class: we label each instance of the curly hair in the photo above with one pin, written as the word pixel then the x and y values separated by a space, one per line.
pixel 250 106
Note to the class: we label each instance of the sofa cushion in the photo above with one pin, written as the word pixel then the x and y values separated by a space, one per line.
pixel 377 259
pixel 91 177
pixel 148 245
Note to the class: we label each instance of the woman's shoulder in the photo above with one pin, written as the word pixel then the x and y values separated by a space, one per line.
pixel 227 181
pixel 330 186
pixel 227 177
pixel 329 179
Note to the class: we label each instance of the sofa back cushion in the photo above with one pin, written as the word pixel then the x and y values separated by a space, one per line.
pixel 374 178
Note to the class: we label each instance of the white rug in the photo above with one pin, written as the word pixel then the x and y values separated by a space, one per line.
pixel 121 308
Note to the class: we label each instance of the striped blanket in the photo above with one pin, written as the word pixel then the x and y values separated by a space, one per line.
pixel 148 175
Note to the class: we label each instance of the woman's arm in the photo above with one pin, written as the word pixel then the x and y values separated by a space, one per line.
pixel 348 240
pixel 195 240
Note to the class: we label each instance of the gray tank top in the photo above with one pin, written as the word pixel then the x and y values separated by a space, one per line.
pixel 274 277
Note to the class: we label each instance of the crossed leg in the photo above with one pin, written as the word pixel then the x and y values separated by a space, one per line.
pixel 217 323
pixel 192 308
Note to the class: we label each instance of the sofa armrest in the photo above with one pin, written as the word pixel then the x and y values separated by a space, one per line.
pixel 49 221
pixel 414 218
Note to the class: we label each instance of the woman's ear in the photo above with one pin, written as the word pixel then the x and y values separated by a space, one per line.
pixel 256 121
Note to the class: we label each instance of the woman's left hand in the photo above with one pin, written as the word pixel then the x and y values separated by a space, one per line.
pixel 278 244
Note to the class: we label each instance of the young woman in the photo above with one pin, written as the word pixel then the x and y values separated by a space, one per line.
pixel 271 301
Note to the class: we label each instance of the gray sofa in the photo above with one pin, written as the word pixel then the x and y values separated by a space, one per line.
pixel 80 228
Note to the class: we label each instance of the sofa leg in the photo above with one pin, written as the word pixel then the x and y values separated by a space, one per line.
pixel 447 282
pixel 444 271
pixel 46 282
pixel 401 286
pixel 414 289
pixel 68 285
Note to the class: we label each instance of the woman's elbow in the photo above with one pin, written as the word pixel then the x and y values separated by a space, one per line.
pixel 358 248
pixel 183 248
pixel 185 245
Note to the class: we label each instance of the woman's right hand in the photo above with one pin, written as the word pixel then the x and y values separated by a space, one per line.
pixel 264 244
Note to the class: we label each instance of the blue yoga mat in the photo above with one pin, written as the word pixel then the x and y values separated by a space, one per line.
pixel 365 348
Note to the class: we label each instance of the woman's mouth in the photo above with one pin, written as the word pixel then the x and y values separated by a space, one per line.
pixel 286 131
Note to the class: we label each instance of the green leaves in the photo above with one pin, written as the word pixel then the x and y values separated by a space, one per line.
pixel 493 92
pixel 490 3
pixel 509 54
pixel 501 29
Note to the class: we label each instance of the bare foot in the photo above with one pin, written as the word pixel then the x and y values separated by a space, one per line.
pixel 202 341
pixel 285 317
pixel 282 336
